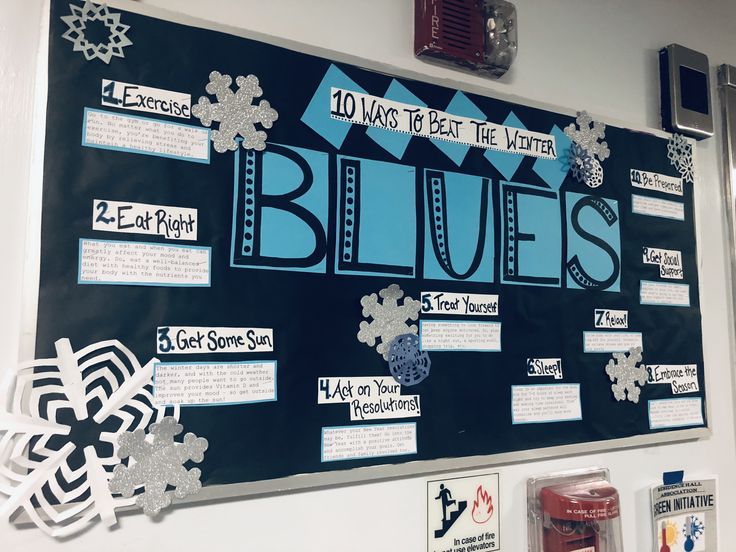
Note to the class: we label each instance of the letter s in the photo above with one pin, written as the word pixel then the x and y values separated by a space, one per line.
pixel 574 266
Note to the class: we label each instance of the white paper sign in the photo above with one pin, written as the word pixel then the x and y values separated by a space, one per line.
pixel 364 109
pixel 669 413
pixel 607 318
pixel 551 367
pixel 653 207
pixel 368 441
pixel 144 98
pixel 655 181
pixel 118 132
pixel 465 304
pixel 332 390
pixel 682 378
pixel 685 516
pixel 669 261
pixel 192 340
pixel 370 398
pixel 174 223
pixel 385 408
pixel 658 293
pixel 459 336
pixel 463 514
pixel 610 342
pixel 533 404
pixel 146 264
pixel 214 383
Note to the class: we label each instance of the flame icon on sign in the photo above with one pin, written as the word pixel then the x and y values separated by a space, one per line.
pixel 482 506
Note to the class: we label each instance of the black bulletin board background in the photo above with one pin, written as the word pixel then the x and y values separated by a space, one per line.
pixel 465 401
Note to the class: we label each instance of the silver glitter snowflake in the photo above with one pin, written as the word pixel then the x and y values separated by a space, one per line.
pixel 622 369
pixel 78 21
pixel 587 135
pixel 680 154
pixel 158 464
pixel 389 318
pixel 236 112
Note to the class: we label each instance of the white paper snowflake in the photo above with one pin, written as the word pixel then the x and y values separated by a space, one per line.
pixel 236 112
pixel 595 177
pixel 158 464
pixel 389 318
pixel 58 437
pixel 78 23
pixel 622 369
pixel 680 154
pixel 587 135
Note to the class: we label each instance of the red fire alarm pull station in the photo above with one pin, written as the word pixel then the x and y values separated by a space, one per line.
pixel 576 511
pixel 582 517
pixel 475 35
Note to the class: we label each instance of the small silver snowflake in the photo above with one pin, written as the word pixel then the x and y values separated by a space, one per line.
pixel 158 464
pixel 389 318
pixel 89 13
pixel 622 369
pixel 587 135
pixel 680 154
pixel 236 112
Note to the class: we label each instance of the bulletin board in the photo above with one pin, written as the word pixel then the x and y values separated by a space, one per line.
pixel 337 274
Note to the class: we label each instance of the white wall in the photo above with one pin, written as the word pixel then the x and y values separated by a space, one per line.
pixel 598 55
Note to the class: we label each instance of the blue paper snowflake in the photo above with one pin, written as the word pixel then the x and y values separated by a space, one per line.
pixel 581 163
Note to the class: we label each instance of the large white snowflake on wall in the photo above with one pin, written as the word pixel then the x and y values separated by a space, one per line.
pixel 59 434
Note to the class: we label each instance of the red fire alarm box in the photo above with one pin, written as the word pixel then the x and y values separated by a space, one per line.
pixel 574 512
pixel 475 35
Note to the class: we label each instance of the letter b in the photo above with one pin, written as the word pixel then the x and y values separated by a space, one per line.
pixel 280 209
